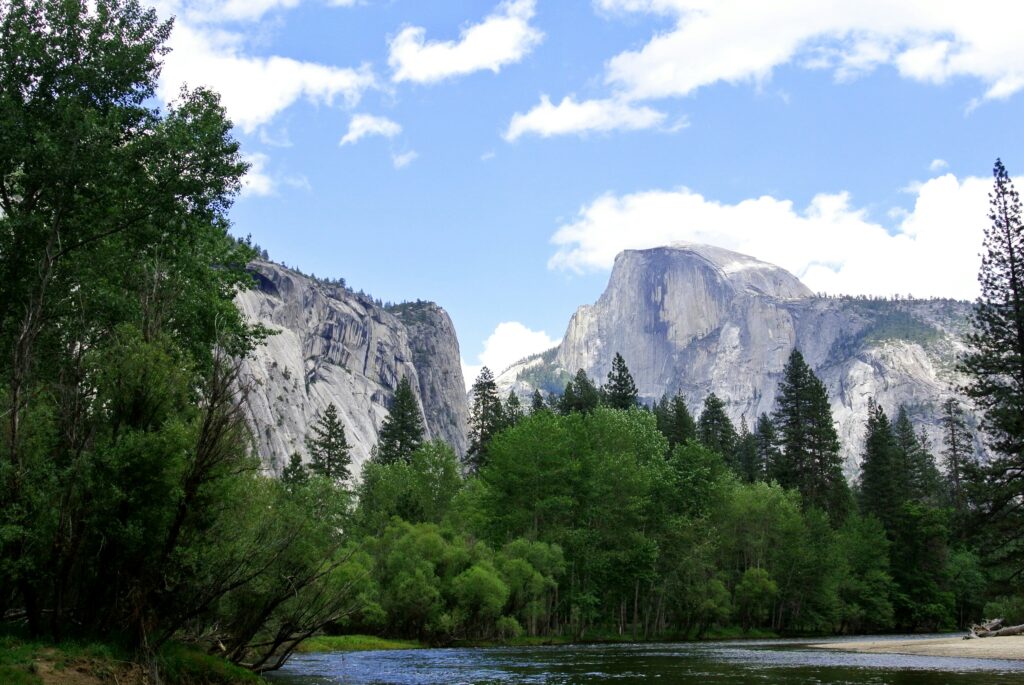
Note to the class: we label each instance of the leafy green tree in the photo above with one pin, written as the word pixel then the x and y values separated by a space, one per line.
pixel 714 429
pixel 418 491
pixel 620 390
pixel 808 440
pixel 486 419
pixel 401 434
pixel 865 585
pixel 328 448
pixel 995 365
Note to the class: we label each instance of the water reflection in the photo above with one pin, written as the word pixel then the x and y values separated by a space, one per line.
pixel 769 661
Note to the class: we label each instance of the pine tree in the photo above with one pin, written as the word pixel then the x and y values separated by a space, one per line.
pixel 328 448
pixel 537 403
pixel 674 420
pixel 747 458
pixel 995 365
pixel 808 440
pixel 513 409
pixel 714 429
pixel 295 473
pixel 767 444
pixel 957 454
pixel 401 434
pixel 923 480
pixel 883 481
pixel 486 420
pixel 581 395
pixel 620 392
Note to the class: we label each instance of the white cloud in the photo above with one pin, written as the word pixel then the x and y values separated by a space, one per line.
pixel 741 41
pixel 502 38
pixel 831 245
pixel 570 116
pixel 257 181
pixel 510 342
pixel 938 165
pixel 404 159
pixel 253 89
pixel 363 125
pixel 216 11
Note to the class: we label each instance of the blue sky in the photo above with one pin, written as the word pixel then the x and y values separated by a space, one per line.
pixel 497 155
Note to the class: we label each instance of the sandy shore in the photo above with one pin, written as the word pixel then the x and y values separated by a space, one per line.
pixel 988 648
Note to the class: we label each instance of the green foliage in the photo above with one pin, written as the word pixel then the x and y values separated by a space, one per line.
pixel 580 395
pixel 899 324
pixel 328 448
pixel 418 491
pixel 995 366
pixel 402 431
pixel 620 390
pixel 714 429
pixel 486 419
pixel 1008 607
pixel 809 445
pixel 674 420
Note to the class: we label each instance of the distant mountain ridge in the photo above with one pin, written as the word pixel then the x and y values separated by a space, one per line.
pixel 699 319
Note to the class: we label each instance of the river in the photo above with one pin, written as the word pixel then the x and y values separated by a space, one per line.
pixel 766 661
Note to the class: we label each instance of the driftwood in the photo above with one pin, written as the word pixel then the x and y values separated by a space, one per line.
pixel 993 628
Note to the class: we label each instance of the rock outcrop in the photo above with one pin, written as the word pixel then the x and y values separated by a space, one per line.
pixel 697 319
pixel 331 345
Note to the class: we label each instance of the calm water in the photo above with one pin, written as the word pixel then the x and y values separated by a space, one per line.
pixel 769 661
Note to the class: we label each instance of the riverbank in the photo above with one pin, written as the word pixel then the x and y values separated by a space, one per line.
pixel 1011 647
pixel 26 662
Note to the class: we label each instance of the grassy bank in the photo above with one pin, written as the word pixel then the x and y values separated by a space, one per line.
pixel 27 662
pixel 356 643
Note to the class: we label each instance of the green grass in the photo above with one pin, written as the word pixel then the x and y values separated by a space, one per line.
pixel 178 664
pixel 355 643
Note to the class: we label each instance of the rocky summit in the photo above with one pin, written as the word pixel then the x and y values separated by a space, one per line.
pixel 331 345
pixel 697 319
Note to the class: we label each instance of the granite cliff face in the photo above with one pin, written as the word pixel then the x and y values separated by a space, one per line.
pixel 334 346
pixel 699 319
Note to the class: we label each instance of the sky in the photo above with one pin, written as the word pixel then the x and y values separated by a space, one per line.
pixel 494 157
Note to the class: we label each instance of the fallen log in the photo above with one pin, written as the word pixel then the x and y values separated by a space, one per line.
pixel 992 629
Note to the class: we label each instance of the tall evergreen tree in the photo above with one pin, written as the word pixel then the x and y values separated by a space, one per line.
pixel 295 473
pixel 674 420
pixel 486 419
pixel 620 392
pixel 401 434
pixel 957 453
pixel 537 403
pixel 995 365
pixel 581 395
pixel 714 429
pixel 923 480
pixel 767 444
pixel 808 440
pixel 747 458
pixel 328 449
pixel 883 481
pixel 513 409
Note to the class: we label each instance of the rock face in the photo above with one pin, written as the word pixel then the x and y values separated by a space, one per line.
pixel 697 319
pixel 334 346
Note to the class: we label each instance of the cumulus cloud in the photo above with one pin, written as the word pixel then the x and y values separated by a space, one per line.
pixel 362 125
pixel 403 159
pixel 740 41
pixel 569 116
pixel 831 245
pixel 257 181
pixel 504 37
pixel 253 89
pixel 510 342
